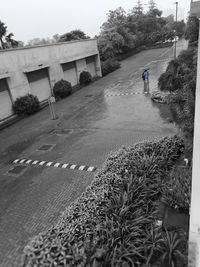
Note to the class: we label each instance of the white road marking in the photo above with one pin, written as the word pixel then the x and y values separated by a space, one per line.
pixel 42 163
pixel 57 165
pixel 65 165
pixel 73 167
pixel 90 169
pixel 81 168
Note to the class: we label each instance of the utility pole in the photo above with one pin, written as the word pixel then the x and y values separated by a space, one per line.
pixel 176 3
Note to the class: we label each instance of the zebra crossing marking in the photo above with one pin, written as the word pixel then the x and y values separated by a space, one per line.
pixel 55 165
pixel 125 94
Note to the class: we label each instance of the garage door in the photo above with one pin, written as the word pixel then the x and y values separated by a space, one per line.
pixel 91 65
pixel 70 73
pixel 39 83
pixel 5 101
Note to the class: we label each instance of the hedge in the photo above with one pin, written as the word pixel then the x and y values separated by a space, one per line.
pixel 85 78
pixel 109 66
pixel 62 89
pixel 113 222
pixel 26 105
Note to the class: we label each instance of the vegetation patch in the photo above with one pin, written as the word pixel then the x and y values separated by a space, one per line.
pixel 113 223
pixel 26 105
pixel 109 66
pixel 179 80
pixel 85 78
pixel 177 190
pixel 62 89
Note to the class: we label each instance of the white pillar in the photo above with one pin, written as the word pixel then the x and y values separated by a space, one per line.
pixel 194 234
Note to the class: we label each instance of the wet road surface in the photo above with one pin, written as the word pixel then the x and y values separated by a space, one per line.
pixel 94 121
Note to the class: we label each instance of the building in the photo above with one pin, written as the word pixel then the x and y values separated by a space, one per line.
pixel 194 235
pixel 36 69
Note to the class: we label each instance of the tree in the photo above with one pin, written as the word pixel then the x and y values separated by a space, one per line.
pixel 3 31
pixel 110 43
pixel 153 10
pixel 152 5
pixel 180 79
pixel 115 18
pixel 169 19
pixel 73 35
pixel 180 28
pixel 10 42
pixel 138 9
pixel 192 30
pixel 39 41
pixel 55 38
pixel 6 40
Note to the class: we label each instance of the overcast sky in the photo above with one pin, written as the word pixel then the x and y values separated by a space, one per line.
pixel 29 19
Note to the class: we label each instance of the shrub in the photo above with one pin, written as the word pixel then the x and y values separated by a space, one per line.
pixel 109 223
pixel 62 89
pixel 177 190
pixel 85 78
pixel 109 66
pixel 26 105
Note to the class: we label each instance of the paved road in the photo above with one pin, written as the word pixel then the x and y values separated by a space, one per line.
pixel 94 121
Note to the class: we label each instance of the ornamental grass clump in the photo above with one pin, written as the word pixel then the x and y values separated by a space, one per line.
pixel 109 223
pixel 177 190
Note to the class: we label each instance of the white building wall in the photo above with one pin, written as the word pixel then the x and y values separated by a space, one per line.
pixel 15 63
pixel 81 66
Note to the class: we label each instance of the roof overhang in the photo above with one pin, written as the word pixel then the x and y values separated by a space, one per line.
pixel 5 75
pixel 34 68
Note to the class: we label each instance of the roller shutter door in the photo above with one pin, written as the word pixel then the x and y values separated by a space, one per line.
pixel 5 101
pixel 91 65
pixel 70 74
pixel 39 83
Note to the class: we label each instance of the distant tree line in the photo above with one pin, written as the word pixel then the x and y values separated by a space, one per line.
pixel 124 32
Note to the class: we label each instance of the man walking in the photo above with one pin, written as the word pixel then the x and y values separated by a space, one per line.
pixel 145 77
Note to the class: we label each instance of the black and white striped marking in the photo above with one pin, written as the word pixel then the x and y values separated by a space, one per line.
pixel 124 94
pixel 55 165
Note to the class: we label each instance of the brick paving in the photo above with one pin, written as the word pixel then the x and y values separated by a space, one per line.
pixel 87 130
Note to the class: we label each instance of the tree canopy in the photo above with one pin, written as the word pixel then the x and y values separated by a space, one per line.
pixel 125 31
pixel 73 35
pixel 192 30
pixel 7 40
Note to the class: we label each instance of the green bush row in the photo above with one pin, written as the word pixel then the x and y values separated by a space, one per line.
pixel 109 66
pixel 113 222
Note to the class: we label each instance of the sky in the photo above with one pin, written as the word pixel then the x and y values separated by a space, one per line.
pixel 29 19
